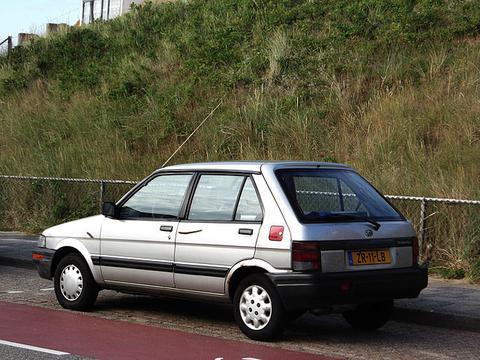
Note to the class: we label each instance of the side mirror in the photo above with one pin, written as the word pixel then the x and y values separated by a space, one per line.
pixel 108 209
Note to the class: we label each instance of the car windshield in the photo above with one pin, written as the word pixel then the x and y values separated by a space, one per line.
pixel 325 195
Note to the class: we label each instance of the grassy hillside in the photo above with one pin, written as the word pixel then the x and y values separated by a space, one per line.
pixel 391 87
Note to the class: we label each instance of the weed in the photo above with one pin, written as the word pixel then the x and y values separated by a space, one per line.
pixel 390 87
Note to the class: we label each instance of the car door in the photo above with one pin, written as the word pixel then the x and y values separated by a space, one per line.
pixel 220 229
pixel 137 246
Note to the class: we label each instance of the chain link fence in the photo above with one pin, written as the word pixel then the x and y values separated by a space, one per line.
pixel 32 204
pixel 6 46
pixel 448 229
pixel 448 232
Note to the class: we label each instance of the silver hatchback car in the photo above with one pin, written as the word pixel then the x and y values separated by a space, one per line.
pixel 274 238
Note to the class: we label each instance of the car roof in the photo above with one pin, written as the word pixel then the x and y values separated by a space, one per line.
pixel 252 166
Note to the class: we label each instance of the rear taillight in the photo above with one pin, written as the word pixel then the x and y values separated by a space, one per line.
pixel 306 256
pixel 415 252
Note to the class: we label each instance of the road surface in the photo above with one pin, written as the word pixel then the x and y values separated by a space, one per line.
pixel 165 328
pixel 23 292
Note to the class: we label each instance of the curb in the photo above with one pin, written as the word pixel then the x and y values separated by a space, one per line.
pixel 436 319
pixel 399 314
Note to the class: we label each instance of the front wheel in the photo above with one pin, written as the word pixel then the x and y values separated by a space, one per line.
pixel 75 287
pixel 258 309
pixel 369 316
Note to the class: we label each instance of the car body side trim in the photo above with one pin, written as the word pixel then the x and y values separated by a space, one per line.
pixel 203 270
pixel 200 270
pixel 95 260
pixel 135 264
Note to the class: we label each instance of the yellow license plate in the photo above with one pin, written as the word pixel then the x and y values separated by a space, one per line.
pixel 369 257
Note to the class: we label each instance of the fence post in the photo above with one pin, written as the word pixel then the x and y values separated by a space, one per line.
pixel 423 223
pixel 9 45
pixel 102 192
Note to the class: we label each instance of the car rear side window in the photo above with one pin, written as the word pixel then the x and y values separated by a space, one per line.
pixel 249 208
pixel 162 197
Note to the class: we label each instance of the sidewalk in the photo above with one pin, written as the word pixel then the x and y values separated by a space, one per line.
pixel 451 304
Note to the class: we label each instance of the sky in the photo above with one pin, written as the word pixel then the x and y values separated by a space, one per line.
pixel 31 15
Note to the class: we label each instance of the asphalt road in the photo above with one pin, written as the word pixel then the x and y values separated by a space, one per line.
pixel 16 250
pixel 325 336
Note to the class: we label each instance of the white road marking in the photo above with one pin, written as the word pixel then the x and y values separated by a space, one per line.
pixel 25 291
pixel 247 358
pixel 33 348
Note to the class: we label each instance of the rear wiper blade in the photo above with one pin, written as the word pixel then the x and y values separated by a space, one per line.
pixel 375 224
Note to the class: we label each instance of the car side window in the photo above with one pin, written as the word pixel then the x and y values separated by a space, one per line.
pixel 162 198
pixel 249 208
pixel 215 197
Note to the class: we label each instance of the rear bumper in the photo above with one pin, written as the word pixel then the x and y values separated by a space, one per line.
pixel 316 290
pixel 42 259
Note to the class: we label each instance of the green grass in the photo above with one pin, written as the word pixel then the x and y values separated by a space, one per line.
pixel 390 87
pixel 387 86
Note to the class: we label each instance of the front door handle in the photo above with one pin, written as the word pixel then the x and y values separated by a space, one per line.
pixel 245 231
pixel 166 228
pixel 189 232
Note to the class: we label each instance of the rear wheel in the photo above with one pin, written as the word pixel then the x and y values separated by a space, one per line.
pixel 369 316
pixel 74 285
pixel 258 309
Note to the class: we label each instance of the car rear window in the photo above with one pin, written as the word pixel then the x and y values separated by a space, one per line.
pixel 325 195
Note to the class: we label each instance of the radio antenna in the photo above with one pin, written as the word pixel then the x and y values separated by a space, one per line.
pixel 194 131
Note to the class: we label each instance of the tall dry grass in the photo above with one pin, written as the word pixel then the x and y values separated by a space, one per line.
pixel 390 89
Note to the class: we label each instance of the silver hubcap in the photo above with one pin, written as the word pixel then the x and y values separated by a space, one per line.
pixel 71 282
pixel 255 307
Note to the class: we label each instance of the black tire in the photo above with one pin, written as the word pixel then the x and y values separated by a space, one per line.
pixel 86 294
pixel 275 325
pixel 370 316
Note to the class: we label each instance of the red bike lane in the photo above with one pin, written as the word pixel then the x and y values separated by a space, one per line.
pixel 90 336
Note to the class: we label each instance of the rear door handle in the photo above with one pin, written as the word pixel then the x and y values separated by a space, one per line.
pixel 189 232
pixel 245 231
pixel 166 228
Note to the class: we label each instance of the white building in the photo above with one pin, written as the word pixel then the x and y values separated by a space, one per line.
pixel 105 9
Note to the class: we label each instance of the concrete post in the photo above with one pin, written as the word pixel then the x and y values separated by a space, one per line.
pixel 53 28
pixel 26 37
